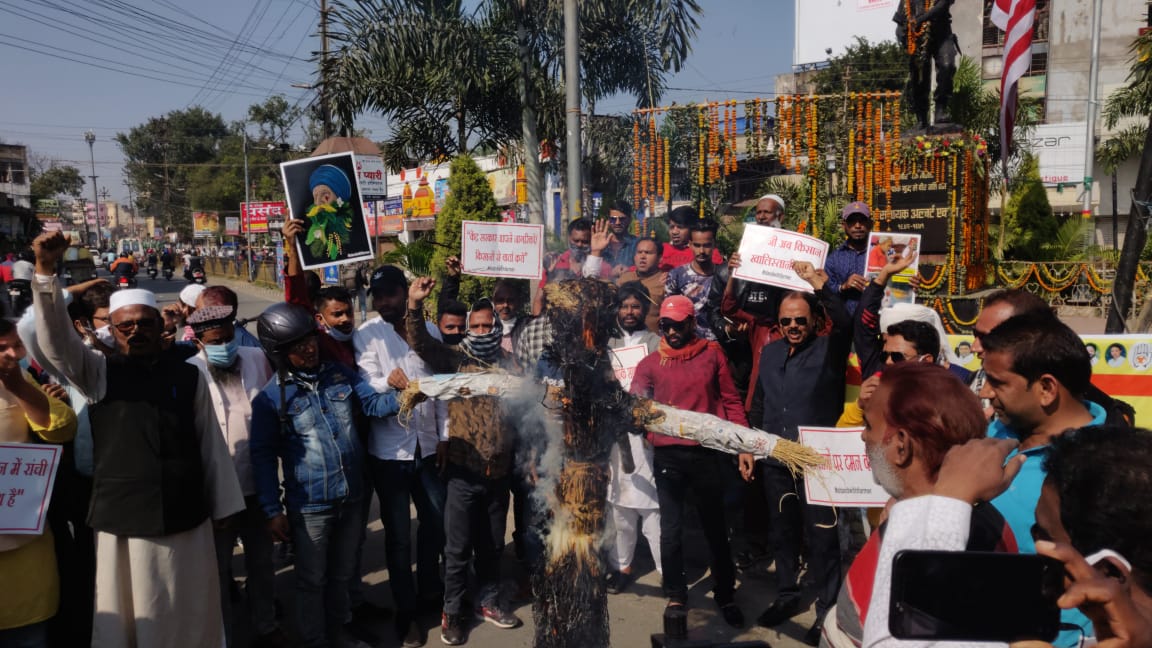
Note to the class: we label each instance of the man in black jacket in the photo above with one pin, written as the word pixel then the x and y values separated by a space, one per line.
pixel 801 382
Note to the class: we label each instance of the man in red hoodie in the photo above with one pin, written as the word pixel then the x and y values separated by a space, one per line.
pixel 691 373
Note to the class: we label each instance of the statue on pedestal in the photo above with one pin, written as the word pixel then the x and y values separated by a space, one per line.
pixel 924 29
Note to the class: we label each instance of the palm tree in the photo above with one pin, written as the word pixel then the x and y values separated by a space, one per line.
pixel 1134 100
pixel 452 80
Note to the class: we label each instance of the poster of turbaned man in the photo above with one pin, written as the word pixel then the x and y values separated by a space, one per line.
pixel 323 191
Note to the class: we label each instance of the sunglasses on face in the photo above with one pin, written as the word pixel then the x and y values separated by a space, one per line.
pixel 788 321
pixel 130 325
pixel 895 356
pixel 673 325
pixel 617 219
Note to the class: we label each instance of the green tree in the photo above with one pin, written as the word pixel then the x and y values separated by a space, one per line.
pixel 1028 221
pixel 57 180
pixel 1134 100
pixel 864 67
pixel 160 155
pixel 469 198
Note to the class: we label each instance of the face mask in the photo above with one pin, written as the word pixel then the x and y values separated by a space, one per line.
pixel 484 346
pixel 338 335
pixel 104 335
pixel 222 355
pixel 452 338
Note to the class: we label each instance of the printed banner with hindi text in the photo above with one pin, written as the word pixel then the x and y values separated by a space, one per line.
pixel 767 253
pixel 27 475
pixel 502 249
pixel 846 478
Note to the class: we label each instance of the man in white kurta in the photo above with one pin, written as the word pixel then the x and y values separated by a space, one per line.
pixel 151 589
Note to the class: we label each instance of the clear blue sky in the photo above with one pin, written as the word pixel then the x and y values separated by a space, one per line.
pixel 108 65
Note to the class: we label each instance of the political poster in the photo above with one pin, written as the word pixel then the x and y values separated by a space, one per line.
pixel 502 249
pixel 372 177
pixel 624 361
pixel 767 253
pixel 846 477
pixel 232 226
pixel 260 217
pixel 27 475
pixel 205 224
pixel 888 247
pixel 324 192
pixel 1121 367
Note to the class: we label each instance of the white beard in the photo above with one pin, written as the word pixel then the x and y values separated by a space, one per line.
pixel 883 473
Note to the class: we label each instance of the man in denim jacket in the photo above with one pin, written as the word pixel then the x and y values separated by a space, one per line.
pixel 306 418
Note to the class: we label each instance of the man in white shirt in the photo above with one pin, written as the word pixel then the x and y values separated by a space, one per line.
pixel 403 457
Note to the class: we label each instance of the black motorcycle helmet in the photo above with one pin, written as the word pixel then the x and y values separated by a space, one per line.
pixel 282 324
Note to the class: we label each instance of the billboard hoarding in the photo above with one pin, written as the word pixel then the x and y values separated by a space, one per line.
pixel 835 24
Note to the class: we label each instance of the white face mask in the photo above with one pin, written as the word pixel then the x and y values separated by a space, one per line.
pixel 104 334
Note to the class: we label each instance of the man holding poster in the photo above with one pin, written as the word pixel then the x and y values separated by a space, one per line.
pixel 27 562
pixel 801 382
pixel 323 192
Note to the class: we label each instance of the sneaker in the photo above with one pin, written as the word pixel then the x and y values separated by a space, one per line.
pixel 780 611
pixel 812 637
pixel 732 615
pixel 617 582
pixel 409 635
pixel 498 617
pixel 452 629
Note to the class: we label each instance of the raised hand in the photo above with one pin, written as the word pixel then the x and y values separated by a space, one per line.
pixel 49 248
pixel 419 291
pixel 452 266
pixel 601 236
pixel 815 277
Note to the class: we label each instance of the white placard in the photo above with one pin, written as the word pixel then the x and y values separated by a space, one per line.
pixel 502 249
pixel 767 253
pixel 624 361
pixel 27 474
pixel 846 480
pixel 372 176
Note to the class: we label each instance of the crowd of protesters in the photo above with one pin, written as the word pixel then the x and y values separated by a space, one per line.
pixel 185 434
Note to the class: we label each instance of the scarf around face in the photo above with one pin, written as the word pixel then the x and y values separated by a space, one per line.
pixel 684 353
pixel 484 346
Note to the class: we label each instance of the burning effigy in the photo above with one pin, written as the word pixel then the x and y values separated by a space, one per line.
pixel 595 414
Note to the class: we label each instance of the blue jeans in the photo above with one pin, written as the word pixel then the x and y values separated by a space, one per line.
pixel 325 544
pixel 34 635
pixel 398 485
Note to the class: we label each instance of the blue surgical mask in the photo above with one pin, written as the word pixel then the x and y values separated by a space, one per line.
pixel 338 335
pixel 222 355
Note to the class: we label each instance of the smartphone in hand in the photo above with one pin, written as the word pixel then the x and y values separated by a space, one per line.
pixel 975 596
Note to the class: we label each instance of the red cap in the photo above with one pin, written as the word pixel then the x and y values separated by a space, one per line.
pixel 677 308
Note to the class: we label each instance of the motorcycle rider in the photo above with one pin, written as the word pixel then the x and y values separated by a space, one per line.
pixel 124 266
pixel 167 262
pixel 193 262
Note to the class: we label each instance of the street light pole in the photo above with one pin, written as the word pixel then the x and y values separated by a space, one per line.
pixel 84 212
pixel 572 106
pixel 90 137
pixel 246 216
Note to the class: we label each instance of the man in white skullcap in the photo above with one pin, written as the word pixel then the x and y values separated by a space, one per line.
pixel 161 469
pixel 770 211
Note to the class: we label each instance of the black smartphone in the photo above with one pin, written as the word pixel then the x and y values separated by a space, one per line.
pixel 975 596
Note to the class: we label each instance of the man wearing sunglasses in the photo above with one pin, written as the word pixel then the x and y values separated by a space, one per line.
pixel 801 382
pixel 162 472
pixel 845 264
pixel 623 246
pixel 691 373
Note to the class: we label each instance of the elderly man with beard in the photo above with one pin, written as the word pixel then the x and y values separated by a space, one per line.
pixel 235 375
pixel 801 382
pixel 918 412
pixel 477 461
pixel 162 471
pixel 691 373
